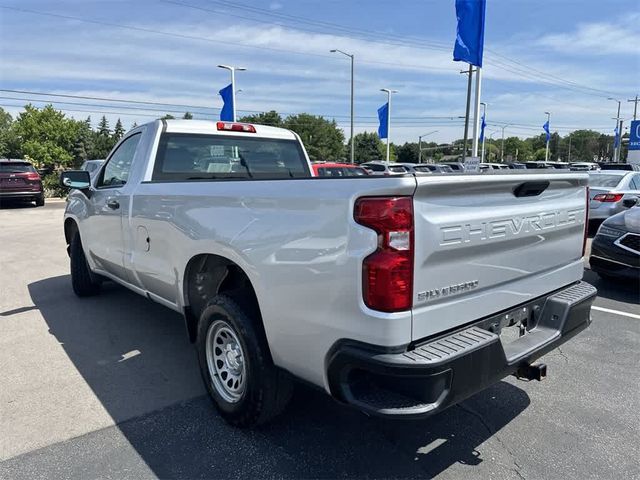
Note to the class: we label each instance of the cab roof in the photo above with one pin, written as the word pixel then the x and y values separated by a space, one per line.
pixel 210 127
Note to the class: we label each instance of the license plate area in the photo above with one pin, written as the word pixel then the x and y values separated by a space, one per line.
pixel 514 324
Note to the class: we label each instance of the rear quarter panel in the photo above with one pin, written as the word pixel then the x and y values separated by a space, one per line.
pixel 297 242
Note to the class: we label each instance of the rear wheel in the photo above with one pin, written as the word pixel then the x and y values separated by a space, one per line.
pixel 236 366
pixel 40 201
pixel 84 282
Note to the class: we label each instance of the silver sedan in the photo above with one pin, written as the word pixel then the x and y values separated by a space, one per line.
pixel 608 189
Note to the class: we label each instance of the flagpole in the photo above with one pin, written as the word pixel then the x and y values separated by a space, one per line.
pixel 546 154
pixel 484 114
pixel 466 118
pixel 389 92
pixel 388 122
pixel 476 112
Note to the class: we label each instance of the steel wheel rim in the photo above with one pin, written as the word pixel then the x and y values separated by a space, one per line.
pixel 225 361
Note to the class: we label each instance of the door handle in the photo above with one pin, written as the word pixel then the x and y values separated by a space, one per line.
pixel 113 204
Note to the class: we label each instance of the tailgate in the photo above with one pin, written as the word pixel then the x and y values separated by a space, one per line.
pixel 482 249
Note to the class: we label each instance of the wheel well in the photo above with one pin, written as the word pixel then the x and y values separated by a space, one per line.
pixel 208 275
pixel 70 229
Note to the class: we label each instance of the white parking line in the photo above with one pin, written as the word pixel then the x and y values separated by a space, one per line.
pixel 617 312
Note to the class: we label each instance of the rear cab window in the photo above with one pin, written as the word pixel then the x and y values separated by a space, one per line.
pixel 185 156
pixel 397 169
pixel 376 167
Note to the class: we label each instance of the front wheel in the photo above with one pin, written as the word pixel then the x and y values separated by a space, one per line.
pixel 236 366
pixel 84 282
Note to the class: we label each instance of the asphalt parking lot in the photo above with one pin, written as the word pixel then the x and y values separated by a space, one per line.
pixel 109 387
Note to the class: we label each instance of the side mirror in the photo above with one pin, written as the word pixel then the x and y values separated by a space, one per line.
pixel 78 179
pixel 631 201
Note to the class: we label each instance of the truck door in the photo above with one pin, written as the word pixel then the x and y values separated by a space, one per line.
pixel 110 203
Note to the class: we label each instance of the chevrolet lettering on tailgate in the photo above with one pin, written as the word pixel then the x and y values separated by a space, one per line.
pixel 511 227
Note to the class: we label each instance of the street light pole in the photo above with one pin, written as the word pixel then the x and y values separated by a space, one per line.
pixel 420 144
pixel 546 154
pixel 389 92
pixel 569 156
pixel 351 56
pixel 635 106
pixel 502 146
pixel 233 84
pixel 616 150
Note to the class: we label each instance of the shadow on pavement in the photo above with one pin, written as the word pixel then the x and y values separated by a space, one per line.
pixel 13 204
pixel 623 290
pixel 135 356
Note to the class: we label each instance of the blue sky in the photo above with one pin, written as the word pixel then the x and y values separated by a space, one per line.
pixel 563 56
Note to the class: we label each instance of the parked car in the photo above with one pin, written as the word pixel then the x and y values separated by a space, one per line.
pixel 385 168
pixel 326 169
pixel 615 250
pixel 455 166
pixel 559 165
pixel 609 189
pixel 485 167
pixel 92 166
pixel 536 165
pixel 370 289
pixel 516 166
pixel 432 168
pixel 19 180
pixel 584 166
pixel 634 167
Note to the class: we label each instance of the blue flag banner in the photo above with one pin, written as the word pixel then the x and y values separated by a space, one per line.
pixel 470 32
pixel 616 138
pixel 482 126
pixel 545 127
pixel 383 117
pixel 226 114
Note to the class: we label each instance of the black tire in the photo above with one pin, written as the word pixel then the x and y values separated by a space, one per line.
pixel 84 283
pixel 40 201
pixel 267 390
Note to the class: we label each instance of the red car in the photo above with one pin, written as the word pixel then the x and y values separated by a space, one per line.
pixel 337 170
pixel 20 181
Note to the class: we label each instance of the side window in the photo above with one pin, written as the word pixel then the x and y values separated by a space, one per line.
pixel 635 182
pixel 116 171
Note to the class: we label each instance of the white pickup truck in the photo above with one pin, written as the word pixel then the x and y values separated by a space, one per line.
pixel 398 295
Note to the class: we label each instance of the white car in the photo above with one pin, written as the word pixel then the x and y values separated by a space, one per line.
pixel 396 295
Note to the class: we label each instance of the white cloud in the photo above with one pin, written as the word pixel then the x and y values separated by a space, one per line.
pixel 601 38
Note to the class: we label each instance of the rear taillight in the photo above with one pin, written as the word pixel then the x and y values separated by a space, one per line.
pixel 586 222
pixel 33 176
pixel 236 127
pixel 387 276
pixel 608 197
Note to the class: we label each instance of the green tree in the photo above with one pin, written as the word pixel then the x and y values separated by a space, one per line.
pixel 47 137
pixel 83 145
pixel 407 153
pixel 368 147
pixel 321 137
pixel 271 118
pixel 187 116
pixel 6 121
pixel 118 131
pixel 168 116
pixel 103 127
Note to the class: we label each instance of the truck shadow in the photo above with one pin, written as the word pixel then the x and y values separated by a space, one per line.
pixel 135 356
